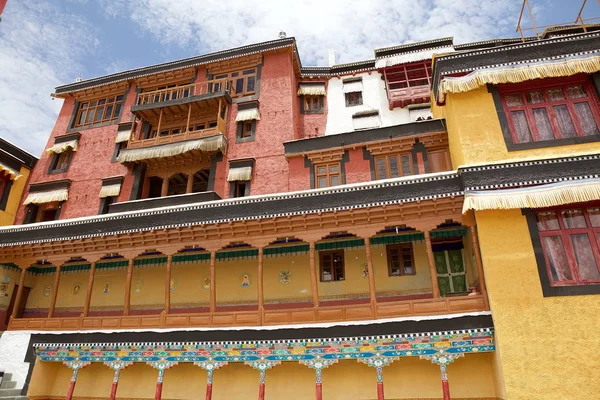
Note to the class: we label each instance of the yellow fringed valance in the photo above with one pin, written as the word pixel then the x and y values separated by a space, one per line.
pixel 213 143
pixel 248 115
pixel 518 74
pixel 110 190
pixel 47 197
pixel 239 174
pixel 12 174
pixel 64 146
pixel 311 90
pixel 123 136
pixel 550 195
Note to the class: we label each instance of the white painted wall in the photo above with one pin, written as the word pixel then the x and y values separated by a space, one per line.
pixel 339 117
pixel 13 347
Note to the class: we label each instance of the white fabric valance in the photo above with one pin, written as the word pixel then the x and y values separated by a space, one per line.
pixel 239 174
pixel 356 86
pixel 213 143
pixel 411 57
pixel 63 146
pixel 248 115
pixel 123 136
pixel 12 174
pixel 371 121
pixel 110 190
pixel 47 197
pixel 550 195
pixel 311 89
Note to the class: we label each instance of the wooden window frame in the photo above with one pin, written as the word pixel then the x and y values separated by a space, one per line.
pixel 328 175
pixel 308 102
pixel 334 274
pixel 240 131
pixel 348 98
pixel 563 232
pixel 235 187
pixel 65 157
pixel 388 170
pixel 400 246
pixel 563 83
pixel 85 108
pixel 232 79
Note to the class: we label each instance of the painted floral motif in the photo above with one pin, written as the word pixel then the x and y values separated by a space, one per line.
pixel 285 276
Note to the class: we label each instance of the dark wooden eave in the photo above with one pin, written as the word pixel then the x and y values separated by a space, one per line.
pixel 13 157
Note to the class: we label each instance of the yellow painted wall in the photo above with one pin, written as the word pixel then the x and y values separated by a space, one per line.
pixel 7 216
pixel 228 275
pixel 148 287
pixel 116 291
pixel 188 285
pixel 475 136
pixel 43 378
pixel 138 381
pixel 298 289
pixel 12 277
pixel 353 284
pixel 237 381
pixel 36 298
pixel 408 284
pixel 66 298
pixel 95 380
pixel 545 343
pixel 183 382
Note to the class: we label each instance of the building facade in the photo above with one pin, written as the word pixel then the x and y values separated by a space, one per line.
pixel 237 225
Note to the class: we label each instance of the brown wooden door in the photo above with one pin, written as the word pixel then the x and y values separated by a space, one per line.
pixel 11 305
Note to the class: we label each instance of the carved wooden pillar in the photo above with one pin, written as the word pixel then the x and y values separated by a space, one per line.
pixel 161 366
pixel 443 359
pixel 54 292
pixel 479 262
pixel 75 366
pixel 432 271
pixel 210 366
pixel 445 385
pixel 261 290
pixel 17 304
pixel 88 295
pixel 319 365
pixel 314 283
pixel 117 366
pixel 371 272
pixel 262 366
pixel 164 190
pixel 127 304
pixel 213 283
pixel 190 183
pixel 168 284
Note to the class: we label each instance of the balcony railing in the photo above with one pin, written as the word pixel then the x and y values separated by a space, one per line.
pixel 180 137
pixel 180 92
pixel 402 97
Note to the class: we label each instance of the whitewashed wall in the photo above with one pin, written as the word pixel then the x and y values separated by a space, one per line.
pixel 13 347
pixel 339 117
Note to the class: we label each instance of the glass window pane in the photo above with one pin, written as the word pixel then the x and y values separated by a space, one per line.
pixel 555 94
pixel 99 113
pixel 564 121
pixel 322 182
pixel 594 214
pixel 90 117
pixel 542 123
pixel 535 97
pixel 576 92
pixel 586 262
pixel 513 100
pixel 239 85
pixel 394 171
pixel 573 219
pixel 381 170
pixel 321 170
pixel 102 101
pixel 249 71
pixel 335 180
pixel 333 168
pixel 557 259
pixel 547 221
pixel 120 98
pixel 406 167
pixel 108 112
pixel 117 110
pixel 521 127
pixel 82 118
pixel 250 84
pixel 586 119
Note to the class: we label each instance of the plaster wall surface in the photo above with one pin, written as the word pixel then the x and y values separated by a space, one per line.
pixel 13 347
pixel 339 117
pixel 7 216
pixel 543 342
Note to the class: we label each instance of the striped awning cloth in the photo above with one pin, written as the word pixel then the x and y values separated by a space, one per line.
pixel 110 190
pixel 123 136
pixel 47 196
pixel 213 143
pixel 12 174
pixel 239 174
pixel 248 115
pixel 305 89
pixel 63 146
pixel 354 86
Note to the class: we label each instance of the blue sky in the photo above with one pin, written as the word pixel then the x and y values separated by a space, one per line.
pixel 46 43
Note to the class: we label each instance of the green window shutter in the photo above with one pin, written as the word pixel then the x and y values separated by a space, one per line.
pixel 286 250
pixel 395 239
pixel 191 258
pixel 342 244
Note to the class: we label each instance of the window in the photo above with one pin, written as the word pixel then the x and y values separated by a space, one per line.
pixel 241 83
pixel 5 186
pixel 312 105
pixel 354 99
pixel 105 204
pixel 246 129
pixel 550 113
pixel 400 259
pixel 98 111
pixel 332 265
pixel 570 240
pixel 393 166
pixel 239 188
pixel 118 148
pixel 327 175
pixel 60 162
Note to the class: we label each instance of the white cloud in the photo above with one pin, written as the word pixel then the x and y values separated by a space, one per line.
pixel 39 49
pixel 352 27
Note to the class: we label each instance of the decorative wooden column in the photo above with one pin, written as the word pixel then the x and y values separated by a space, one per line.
pixel 371 272
pixel 17 304
pixel 189 116
pixel 160 115
pixel 190 183
pixel 261 289
pixel 54 292
pixel 117 366
pixel 168 284
pixel 432 271
pixel 319 364
pixel 314 283
pixel 378 363
pixel 75 366
pixel 478 261
pixel 210 366
pixel 127 304
pixel 161 366
pixel 164 190
pixel 88 295
pixel 262 366
pixel 213 288
pixel 443 359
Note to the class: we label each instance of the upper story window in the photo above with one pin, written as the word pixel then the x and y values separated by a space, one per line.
pixel 247 116
pixel 312 97
pixel 393 165
pixel 332 265
pixel 400 259
pixel 60 162
pixel 313 105
pixel 327 175
pixel 353 89
pixel 570 240
pixel 560 111
pixel 5 186
pixel 242 83
pixel 98 111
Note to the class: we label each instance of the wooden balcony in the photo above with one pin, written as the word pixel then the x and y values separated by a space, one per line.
pixel 402 97
pixel 338 313
pixel 183 92
pixel 175 138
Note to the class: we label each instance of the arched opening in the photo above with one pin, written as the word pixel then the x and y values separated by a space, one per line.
pixel 155 184
pixel 177 184
pixel 201 181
